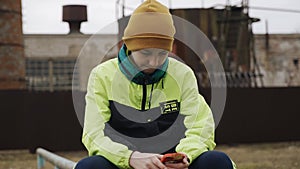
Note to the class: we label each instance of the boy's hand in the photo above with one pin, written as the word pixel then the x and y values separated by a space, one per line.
pixel 146 161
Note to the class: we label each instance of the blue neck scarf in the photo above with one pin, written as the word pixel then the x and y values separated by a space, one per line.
pixel 133 73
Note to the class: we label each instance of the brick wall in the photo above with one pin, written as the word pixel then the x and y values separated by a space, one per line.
pixel 12 68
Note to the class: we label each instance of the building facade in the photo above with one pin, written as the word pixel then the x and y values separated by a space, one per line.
pixel 63 62
pixel 278 56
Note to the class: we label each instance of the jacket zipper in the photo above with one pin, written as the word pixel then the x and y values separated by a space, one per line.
pixel 144 97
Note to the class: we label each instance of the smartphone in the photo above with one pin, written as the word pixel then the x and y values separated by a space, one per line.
pixel 172 158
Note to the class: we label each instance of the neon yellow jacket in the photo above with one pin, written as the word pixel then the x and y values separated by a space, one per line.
pixel 108 85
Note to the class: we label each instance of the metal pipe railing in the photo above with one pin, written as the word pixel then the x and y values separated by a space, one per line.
pixel 58 161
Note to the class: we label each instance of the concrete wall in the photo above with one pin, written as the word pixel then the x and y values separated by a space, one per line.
pixel 89 50
pixel 276 61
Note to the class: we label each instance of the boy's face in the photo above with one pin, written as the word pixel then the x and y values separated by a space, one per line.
pixel 148 60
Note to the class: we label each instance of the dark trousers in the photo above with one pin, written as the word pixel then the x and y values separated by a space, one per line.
pixel 207 160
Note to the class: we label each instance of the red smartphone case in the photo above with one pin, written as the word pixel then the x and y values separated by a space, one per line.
pixel 172 158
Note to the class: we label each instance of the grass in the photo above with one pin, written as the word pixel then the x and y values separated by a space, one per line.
pixel 265 156
pixel 283 155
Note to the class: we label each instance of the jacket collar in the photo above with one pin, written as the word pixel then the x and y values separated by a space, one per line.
pixel 132 73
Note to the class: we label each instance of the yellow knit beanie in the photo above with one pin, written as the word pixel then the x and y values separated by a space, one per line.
pixel 150 26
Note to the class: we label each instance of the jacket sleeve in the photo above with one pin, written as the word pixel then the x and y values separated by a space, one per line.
pixel 97 113
pixel 199 122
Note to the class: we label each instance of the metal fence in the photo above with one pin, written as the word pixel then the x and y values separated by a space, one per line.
pixel 58 161
pixel 58 74
pixel 232 79
pixel 49 74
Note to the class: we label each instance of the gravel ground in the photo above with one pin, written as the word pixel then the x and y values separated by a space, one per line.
pixel 283 155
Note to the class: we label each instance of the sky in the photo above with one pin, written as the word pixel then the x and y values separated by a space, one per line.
pixel 45 16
